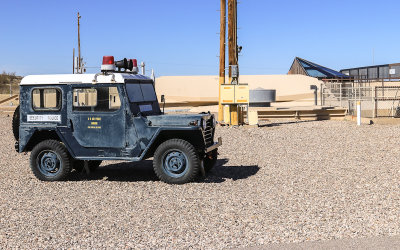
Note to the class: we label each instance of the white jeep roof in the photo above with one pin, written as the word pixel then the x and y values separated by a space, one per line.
pixel 79 78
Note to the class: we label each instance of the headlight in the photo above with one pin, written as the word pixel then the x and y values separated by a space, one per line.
pixel 214 121
pixel 203 124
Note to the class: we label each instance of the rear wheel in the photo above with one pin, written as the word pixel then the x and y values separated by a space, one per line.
pixel 176 162
pixel 50 161
pixel 15 123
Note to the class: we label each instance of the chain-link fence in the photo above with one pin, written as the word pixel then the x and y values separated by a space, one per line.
pixel 387 101
pixel 376 101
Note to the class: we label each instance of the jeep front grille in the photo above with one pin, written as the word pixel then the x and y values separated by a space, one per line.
pixel 208 133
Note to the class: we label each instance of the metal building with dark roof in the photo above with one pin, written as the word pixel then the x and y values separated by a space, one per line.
pixel 376 72
pixel 304 67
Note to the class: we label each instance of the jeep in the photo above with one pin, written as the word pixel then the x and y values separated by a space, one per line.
pixel 76 121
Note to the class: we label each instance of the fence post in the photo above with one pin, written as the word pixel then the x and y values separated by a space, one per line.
pixel 375 103
pixel 322 94
pixel 340 96
pixel 358 113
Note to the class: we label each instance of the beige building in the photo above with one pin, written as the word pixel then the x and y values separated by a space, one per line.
pixel 203 90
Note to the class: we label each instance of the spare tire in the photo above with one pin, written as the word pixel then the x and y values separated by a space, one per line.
pixel 15 124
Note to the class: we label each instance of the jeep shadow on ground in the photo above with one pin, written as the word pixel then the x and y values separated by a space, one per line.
pixel 143 172
pixel 222 172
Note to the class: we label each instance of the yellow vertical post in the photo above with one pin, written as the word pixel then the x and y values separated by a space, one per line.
pixel 227 118
pixel 222 58
pixel 234 114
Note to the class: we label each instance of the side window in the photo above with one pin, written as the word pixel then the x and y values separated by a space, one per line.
pixel 97 99
pixel 85 97
pixel 46 99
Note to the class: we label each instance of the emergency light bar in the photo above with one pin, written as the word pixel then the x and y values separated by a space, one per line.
pixel 129 65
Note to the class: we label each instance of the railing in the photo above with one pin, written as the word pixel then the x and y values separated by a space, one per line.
pixel 346 96
pixel 376 101
pixel 387 101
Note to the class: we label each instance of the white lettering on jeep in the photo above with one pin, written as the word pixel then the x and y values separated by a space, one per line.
pixel 44 118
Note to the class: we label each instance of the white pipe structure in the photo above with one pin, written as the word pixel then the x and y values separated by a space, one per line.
pixel 143 65
pixel 358 113
pixel 153 76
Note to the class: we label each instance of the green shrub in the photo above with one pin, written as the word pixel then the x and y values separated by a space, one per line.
pixel 6 79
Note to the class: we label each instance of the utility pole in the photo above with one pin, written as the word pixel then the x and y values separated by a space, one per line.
pixel 222 58
pixel 233 55
pixel 79 48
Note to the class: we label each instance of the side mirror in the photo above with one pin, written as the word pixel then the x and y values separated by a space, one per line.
pixel 163 101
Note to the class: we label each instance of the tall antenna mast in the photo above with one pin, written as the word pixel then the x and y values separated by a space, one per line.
pixel 79 48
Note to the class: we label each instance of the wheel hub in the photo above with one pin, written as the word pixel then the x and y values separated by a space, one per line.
pixel 175 163
pixel 49 163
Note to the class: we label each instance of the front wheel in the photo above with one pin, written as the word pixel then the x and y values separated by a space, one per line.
pixel 176 162
pixel 50 161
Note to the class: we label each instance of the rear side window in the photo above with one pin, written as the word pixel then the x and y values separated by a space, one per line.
pixel 96 99
pixel 46 99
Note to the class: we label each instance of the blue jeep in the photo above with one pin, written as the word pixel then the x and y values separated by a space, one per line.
pixel 76 121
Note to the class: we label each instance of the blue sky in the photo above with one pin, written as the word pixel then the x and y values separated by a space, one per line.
pixel 180 37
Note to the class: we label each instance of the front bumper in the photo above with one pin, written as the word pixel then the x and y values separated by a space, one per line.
pixel 215 145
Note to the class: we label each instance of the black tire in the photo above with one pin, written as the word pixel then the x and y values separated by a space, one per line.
pixel 79 165
pixel 15 123
pixel 50 161
pixel 210 160
pixel 176 162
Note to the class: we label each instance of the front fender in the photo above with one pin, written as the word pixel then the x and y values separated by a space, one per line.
pixel 192 135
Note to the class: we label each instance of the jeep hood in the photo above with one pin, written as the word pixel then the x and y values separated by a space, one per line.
pixel 177 120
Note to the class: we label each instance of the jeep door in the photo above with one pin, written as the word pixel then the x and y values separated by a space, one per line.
pixel 97 116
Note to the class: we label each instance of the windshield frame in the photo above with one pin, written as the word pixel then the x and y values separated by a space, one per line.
pixel 144 106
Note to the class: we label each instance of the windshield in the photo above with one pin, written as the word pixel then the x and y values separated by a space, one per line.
pixel 141 92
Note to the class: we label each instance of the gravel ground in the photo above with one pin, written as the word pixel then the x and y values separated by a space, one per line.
pixel 289 182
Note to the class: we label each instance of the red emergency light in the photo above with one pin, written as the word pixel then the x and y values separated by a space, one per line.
pixel 108 60
pixel 134 62
pixel 108 63
pixel 134 69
